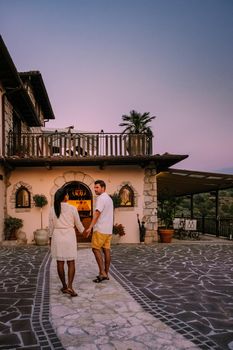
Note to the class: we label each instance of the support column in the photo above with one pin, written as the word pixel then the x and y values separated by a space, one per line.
pixel 217 212
pixel 191 205
pixel 150 205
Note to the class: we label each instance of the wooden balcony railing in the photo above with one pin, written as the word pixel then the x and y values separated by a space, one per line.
pixel 75 145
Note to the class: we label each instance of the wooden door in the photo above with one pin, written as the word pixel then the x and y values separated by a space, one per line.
pixel 80 197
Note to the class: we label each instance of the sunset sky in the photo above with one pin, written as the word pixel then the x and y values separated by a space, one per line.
pixel 102 58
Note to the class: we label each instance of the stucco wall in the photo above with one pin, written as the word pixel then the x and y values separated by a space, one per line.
pixel 44 181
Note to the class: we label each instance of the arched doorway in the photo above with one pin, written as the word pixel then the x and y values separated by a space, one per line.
pixel 80 197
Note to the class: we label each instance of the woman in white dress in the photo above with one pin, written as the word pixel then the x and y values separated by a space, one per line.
pixel 63 217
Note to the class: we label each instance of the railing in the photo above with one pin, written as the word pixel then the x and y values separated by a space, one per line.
pixel 222 227
pixel 77 145
pixel 226 227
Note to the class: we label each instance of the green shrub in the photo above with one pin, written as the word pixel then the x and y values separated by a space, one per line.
pixel 116 199
pixel 11 225
pixel 40 200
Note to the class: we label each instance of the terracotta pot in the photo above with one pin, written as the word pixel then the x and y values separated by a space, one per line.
pixel 115 239
pixel 21 237
pixel 166 235
pixel 41 237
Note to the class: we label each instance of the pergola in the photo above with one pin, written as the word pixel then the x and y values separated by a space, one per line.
pixel 177 183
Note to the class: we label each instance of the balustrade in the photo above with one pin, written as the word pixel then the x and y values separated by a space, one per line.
pixel 74 145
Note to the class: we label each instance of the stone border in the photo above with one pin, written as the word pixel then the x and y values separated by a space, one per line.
pixel 70 176
pixel 181 327
pixel 41 324
pixel 15 188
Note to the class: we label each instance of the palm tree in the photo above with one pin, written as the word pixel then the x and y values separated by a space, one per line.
pixel 137 123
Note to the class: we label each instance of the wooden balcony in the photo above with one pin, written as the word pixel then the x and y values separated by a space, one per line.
pixel 77 145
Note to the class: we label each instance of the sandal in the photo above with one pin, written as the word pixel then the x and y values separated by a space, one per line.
pixel 71 292
pixel 107 278
pixel 100 279
pixel 63 290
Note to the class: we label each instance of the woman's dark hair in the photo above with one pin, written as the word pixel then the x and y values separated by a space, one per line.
pixel 58 198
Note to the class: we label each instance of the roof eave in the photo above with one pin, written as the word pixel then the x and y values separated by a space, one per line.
pixel 42 95
pixel 154 161
pixel 14 88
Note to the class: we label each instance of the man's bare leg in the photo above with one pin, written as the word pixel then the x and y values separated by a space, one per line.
pixel 107 259
pixel 99 260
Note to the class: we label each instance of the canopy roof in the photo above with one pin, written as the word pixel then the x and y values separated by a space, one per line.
pixel 175 182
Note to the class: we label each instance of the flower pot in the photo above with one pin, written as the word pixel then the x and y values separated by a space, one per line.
pixel 115 239
pixel 21 237
pixel 41 237
pixel 166 235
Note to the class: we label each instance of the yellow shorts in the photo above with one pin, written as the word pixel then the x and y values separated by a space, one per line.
pixel 101 240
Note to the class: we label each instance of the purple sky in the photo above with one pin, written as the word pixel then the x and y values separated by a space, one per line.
pixel 102 58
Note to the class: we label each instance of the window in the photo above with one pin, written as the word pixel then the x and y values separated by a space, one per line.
pixel 127 196
pixel 23 198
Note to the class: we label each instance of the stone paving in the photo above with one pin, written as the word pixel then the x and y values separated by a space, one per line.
pixel 24 299
pixel 104 316
pixel 160 296
pixel 187 286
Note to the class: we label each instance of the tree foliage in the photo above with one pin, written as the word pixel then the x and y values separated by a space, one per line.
pixel 137 123
pixel 40 201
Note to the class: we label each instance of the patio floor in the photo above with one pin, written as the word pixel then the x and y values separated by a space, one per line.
pixel 174 296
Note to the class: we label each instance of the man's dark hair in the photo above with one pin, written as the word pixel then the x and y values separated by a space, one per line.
pixel 101 183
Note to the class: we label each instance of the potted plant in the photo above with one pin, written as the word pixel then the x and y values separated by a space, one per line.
pixel 11 226
pixel 166 214
pixel 118 229
pixel 116 200
pixel 41 235
pixel 138 133
pixel 117 232
pixel 21 151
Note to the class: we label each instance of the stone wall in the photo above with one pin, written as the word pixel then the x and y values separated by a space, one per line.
pixel 35 103
pixel 9 122
pixel 2 202
pixel 150 205
pixel 8 118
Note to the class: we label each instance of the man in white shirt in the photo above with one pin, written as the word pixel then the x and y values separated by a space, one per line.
pixel 102 224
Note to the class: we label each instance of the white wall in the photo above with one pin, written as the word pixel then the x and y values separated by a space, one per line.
pixel 44 181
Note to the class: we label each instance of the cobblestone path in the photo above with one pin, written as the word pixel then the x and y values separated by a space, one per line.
pixel 24 299
pixel 187 286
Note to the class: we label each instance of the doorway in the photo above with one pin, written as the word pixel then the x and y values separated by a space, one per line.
pixel 80 196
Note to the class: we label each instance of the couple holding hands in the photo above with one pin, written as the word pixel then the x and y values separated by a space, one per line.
pixel 63 217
